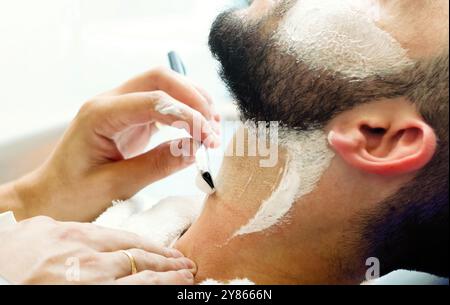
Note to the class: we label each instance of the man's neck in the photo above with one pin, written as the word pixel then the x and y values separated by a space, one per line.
pixel 295 251
pixel 241 187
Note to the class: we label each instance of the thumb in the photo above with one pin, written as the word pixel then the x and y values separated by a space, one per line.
pixel 137 173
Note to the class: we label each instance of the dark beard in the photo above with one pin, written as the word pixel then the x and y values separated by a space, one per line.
pixel 270 85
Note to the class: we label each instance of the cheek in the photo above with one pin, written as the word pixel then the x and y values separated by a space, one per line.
pixel 335 36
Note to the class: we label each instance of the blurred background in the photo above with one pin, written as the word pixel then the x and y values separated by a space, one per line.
pixel 56 54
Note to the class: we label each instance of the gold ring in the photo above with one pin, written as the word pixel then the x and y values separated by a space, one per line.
pixel 132 261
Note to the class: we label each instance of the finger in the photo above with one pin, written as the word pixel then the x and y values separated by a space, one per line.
pixel 115 114
pixel 110 240
pixel 145 261
pixel 176 85
pixel 133 141
pixel 216 118
pixel 215 115
pixel 132 175
pixel 181 277
pixel 203 92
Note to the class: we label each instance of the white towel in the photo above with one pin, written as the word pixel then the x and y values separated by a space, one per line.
pixel 163 223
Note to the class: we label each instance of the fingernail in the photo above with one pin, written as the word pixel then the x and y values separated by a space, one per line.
pixel 173 253
pixel 187 274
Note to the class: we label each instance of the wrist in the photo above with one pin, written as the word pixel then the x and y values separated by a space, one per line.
pixel 21 197
pixel 11 200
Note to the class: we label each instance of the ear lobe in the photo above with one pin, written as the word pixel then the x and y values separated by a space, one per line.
pixel 385 150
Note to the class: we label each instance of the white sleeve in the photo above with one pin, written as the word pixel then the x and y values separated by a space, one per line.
pixel 6 219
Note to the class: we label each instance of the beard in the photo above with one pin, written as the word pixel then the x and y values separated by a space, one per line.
pixel 270 84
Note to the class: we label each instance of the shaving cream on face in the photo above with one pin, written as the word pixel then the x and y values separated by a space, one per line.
pixel 338 36
pixel 308 158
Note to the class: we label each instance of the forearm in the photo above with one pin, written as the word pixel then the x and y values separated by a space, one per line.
pixel 44 193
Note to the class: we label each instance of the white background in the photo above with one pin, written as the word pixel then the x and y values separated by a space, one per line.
pixel 55 54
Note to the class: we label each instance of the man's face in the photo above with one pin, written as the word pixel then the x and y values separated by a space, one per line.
pixel 306 62
pixel 302 62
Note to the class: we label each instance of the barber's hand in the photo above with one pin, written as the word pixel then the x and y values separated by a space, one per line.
pixel 100 158
pixel 43 251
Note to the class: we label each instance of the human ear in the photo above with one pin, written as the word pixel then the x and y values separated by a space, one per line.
pixel 383 138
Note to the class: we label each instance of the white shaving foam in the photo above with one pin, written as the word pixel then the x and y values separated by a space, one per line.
pixel 308 158
pixel 338 36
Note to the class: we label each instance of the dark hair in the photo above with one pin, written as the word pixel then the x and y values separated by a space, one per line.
pixel 410 230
